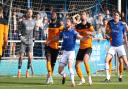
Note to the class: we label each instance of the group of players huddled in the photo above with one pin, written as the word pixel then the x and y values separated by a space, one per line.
pixel 115 31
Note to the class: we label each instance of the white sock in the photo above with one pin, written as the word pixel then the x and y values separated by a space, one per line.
pixel 19 70
pixel 107 71
pixel 63 74
pixel 71 75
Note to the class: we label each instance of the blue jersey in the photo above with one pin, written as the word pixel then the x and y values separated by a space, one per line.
pixel 69 39
pixel 117 32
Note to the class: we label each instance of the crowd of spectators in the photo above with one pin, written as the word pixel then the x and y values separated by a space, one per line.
pixel 42 18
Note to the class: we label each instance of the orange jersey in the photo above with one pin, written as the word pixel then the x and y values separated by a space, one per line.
pixel 83 31
pixel 53 31
pixel 108 32
pixel 3 34
pixel 3 31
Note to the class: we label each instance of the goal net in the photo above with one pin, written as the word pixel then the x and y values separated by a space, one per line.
pixel 63 8
pixel 68 7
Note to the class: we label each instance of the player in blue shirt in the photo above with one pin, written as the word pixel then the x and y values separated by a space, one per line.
pixel 117 32
pixel 69 36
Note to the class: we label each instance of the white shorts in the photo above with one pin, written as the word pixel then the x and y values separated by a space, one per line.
pixel 68 56
pixel 120 50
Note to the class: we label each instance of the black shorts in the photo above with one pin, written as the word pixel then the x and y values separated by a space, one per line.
pixel 53 53
pixel 82 52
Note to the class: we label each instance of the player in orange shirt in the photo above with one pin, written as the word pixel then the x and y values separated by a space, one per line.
pixel 51 48
pixel 85 50
pixel 3 32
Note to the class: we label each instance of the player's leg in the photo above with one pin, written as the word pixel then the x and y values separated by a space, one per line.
pixel 22 51
pixel 79 60
pixel 30 56
pixel 109 57
pixel 51 63
pixel 121 67
pixel 86 63
pixel 110 67
pixel 122 58
pixel 0 52
pixel 49 68
pixel 29 65
pixel 62 64
pixel 54 55
pixel 71 57
pixel 122 54
pixel 2 49
pixel 20 64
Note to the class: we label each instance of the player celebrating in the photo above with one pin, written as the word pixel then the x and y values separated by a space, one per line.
pixel 26 31
pixel 117 32
pixel 3 33
pixel 51 48
pixel 85 50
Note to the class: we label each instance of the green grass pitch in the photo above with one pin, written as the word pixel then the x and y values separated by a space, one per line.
pixel 39 83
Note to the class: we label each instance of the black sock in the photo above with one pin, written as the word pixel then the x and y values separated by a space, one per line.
pixel 29 64
pixel 19 63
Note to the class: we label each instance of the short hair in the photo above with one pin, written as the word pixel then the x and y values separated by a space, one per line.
pixel 84 13
pixel 29 9
pixel 116 11
pixel 54 12
pixel 71 20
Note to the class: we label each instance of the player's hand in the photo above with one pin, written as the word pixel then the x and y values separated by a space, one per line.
pixel 47 43
pixel 22 38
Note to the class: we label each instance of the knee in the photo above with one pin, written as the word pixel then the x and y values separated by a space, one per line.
pixel 30 56
pixel 108 58
pixel 71 70
pixel 76 66
pixel 59 71
pixel 121 61
pixel 21 57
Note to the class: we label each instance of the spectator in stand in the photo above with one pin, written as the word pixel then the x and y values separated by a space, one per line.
pixel 123 19
pixel 42 12
pixel 107 16
pixel 38 27
pixel 38 36
pixel 14 31
pixel 99 22
pixel 19 14
pixel 90 19
pixel 44 28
